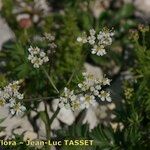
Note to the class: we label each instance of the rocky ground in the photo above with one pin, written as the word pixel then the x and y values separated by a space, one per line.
pixel 5 32
pixel 22 125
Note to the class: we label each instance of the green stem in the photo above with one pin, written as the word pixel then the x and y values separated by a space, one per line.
pixel 49 123
pixel 47 126
pixel 50 79
pixel 143 34
pixel 54 116
pixel 96 24
pixel 39 99
pixel 71 77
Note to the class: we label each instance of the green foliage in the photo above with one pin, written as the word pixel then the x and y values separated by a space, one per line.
pixel 137 110
pixel 104 138
pixel 3 80
pixel 69 51
pixel 67 64
pixel 18 139
pixel 121 20
pixel 134 112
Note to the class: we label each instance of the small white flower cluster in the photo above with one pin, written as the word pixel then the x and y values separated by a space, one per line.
pixel 94 86
pixel 67 97
pixel 98 42
pixel 69 100
pixel 37 56
pixel 90 90
pixel 50 38
pixel 11 96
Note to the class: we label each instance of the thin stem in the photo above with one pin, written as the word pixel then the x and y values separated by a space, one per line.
pixel 54 116
pixel 39 99
pixel 143 34
pixel 47 126
pixel 71 77
pixel 47 118
pixel 50 79
pixel 96 24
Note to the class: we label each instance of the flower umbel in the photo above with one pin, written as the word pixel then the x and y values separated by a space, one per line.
pixel 87 100
pixel 94 86
pixel 67 98
pixel 17 108
pixel 10 95
pixel 51 42
pixel 89 91
pixel 99 42
pixel 37 57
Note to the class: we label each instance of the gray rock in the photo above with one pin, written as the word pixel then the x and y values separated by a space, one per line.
pixel 5 32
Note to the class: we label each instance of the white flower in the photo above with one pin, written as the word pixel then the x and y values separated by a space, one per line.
pixel 36 66
pixel 80 85
pixel 99 42
pixel 92 32
pixel 106 81
pixel 11 102
pixel 49 37
pixel 52 45
pixel 37 57
pixel 6 95
pixel 37 62
pixel 17 108
pixel 35 50
pixel 73 98
pixel 42 54
pixel 20 96
pixel 92 84
pixel 105 96
pixel 96 92
pixel 79 39
pixel 105 37
pixel 30 57
pixel 90 89
pixel 75 105
pixel 10 95
pixel 99 50
pixel 82 40
pixel 45 59
pixel 87 100
pixel 62 102
pixel 11 90
pixel 98 87
pixel 91 39
pixel 66 98
pixel 84 86
pixel 34 59
pixel 67 92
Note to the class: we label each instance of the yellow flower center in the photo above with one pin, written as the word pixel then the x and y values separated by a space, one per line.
pixel 17 107
pixel 75 105
pixel 87 98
